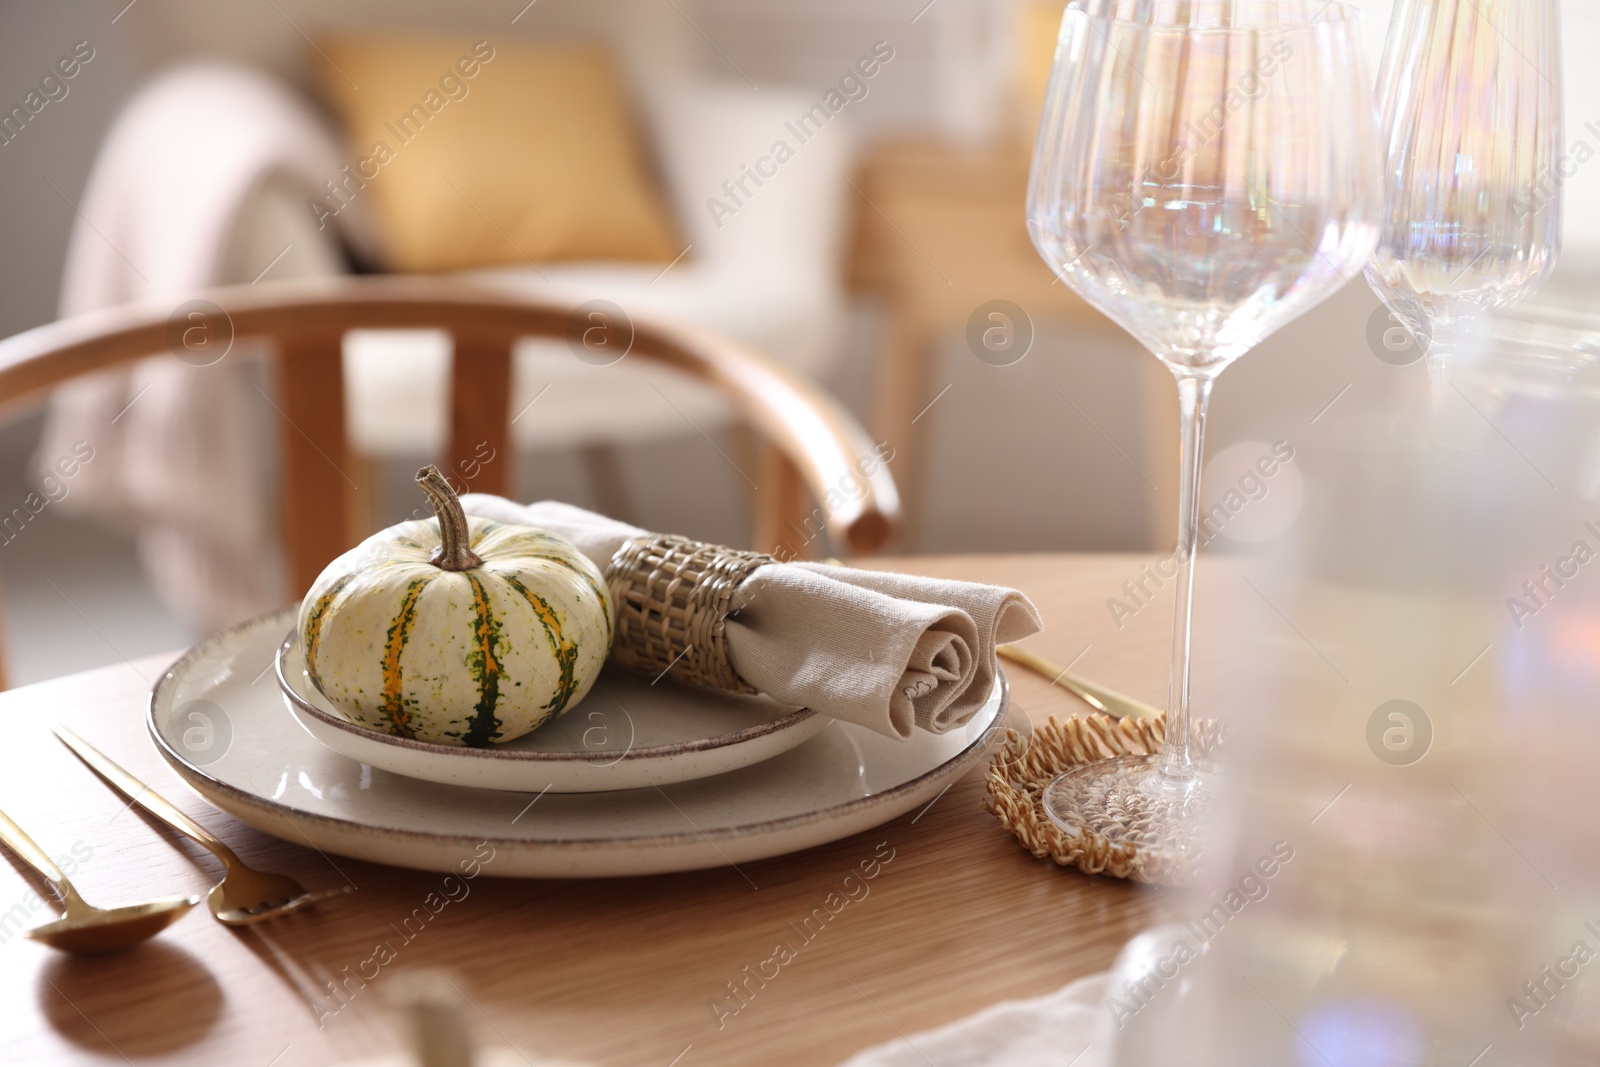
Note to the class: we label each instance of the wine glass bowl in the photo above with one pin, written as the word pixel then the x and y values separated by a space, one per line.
pixel 1206 171
pixel 1194 177
pixel 1471 111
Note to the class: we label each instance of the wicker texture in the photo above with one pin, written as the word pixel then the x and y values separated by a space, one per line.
pixel 671 598
pixel 1024 766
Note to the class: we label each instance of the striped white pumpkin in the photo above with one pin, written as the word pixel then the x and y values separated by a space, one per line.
pixel 484 651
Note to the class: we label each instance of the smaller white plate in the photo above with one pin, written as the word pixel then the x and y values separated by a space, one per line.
pixel 627 733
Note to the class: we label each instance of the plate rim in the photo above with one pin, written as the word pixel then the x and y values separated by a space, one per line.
pixel 188 772
pixel 430 748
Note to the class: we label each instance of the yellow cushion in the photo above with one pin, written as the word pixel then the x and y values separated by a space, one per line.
pixel 478 155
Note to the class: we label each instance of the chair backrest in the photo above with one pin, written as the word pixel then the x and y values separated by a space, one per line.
pixel 814 448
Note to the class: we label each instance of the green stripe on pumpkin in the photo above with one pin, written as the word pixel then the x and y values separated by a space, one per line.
pixel 485 668
pixel 588 579
pixel 394 705
pixel 565 652
pixel 313 627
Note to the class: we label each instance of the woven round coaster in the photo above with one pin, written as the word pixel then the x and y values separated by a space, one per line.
pixel 671 597
pixel 1025 765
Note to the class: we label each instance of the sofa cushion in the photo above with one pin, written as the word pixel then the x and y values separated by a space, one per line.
pixel 480 154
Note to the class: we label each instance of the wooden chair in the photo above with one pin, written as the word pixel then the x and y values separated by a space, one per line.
pixel 811 449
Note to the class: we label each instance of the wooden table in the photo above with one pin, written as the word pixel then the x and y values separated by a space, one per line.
pixel 610 972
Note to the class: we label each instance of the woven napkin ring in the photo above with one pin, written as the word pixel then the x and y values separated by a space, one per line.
pixel 671 596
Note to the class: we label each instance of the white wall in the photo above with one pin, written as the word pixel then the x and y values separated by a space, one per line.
pixel 55 149
pixel 939 82
pixel 1581 76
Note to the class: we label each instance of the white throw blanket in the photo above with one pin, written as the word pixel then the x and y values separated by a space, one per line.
pixel 176 459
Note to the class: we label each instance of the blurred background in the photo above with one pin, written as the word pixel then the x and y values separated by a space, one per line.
pixel 872 257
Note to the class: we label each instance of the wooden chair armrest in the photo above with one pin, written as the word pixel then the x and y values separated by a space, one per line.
pixel 829 449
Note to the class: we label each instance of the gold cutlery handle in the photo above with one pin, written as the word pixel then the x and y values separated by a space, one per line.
pixel 1121 707
pixel 139 793
pixel 433 1006
pixel 34 856
pixel 1108 701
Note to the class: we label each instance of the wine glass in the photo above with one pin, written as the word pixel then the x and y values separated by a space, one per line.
pixel 1205 172
pixel 1470 98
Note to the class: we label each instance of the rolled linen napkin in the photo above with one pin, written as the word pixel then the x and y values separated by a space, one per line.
pixel 886 651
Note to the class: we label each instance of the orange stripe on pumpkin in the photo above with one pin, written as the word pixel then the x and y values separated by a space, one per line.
pixel 314 621
pixel 564 651
pixel 394 704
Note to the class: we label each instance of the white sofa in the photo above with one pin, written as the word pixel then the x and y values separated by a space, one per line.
pixel 768 276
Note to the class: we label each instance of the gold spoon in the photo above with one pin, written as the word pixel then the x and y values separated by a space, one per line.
pixel 84 928
pixel 1098 697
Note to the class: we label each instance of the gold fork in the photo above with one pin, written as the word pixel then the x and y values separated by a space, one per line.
pixel 244 896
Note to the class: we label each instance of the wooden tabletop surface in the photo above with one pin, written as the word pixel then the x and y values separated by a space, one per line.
pixel 607 972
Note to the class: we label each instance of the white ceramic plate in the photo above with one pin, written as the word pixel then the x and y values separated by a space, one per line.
pixel 219 721
pixel 627 733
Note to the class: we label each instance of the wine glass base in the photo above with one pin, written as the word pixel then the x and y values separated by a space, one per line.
pixel 1129 804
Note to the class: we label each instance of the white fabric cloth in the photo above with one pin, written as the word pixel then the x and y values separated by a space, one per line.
pixel 887 651
pixel 503 1057
pixel 161 216
pixel 1069 1026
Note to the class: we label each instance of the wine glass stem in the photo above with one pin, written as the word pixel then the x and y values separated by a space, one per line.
pixel 1194 394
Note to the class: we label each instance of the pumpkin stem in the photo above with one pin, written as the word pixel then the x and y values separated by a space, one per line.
pixel 455 550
